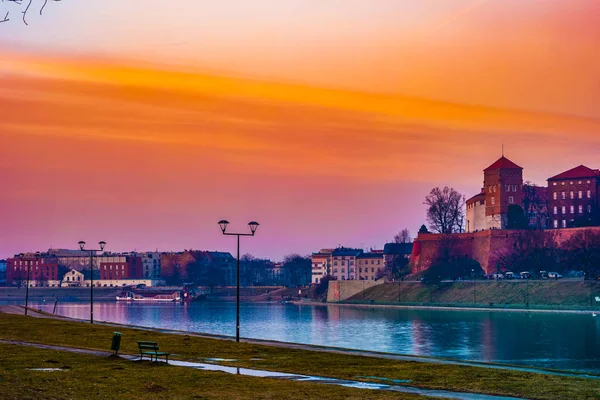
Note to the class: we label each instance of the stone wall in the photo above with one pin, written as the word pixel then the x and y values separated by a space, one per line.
pixel 342 290
pixel 484 246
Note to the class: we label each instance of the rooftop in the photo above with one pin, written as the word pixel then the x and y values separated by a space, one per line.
pixel 397 248
pixel 576 173
pixel 503 163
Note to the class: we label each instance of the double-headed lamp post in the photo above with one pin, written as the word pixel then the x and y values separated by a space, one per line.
pixel 253 226
pixel 92 251
pixel 37 257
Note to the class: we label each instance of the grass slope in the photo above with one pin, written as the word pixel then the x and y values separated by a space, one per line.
pixel 568 294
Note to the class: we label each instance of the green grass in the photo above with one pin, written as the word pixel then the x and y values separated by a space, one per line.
pixel 89 377
pixel 542 294
pixel 425 375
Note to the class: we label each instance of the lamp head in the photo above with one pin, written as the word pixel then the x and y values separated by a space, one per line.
pixel 253 226
pixel 82 245
pixel 223 224
pixel 102 244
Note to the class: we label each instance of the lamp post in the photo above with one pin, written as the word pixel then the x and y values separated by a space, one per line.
pixel 92 251
pixel 253 226
pixel 37 256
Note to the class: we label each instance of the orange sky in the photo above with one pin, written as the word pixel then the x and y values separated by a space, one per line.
pixel 324 142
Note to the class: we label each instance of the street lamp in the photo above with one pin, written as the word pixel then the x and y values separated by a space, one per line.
pixel 37 256
pixel 253 226
pixel 92 251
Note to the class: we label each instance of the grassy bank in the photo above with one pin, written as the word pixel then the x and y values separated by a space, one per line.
pixel 540 294
pixel 425 375
pixel 89 377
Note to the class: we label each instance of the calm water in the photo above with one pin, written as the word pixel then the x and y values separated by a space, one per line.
pixel 562 341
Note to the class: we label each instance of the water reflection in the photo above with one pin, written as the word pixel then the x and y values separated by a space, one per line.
pixel 562 341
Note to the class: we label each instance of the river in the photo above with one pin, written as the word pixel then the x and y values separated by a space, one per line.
pixel 550 340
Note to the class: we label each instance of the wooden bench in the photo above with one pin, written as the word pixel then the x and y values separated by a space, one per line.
pixel 151 349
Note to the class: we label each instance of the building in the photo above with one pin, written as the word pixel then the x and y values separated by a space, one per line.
pixel 475 215
pixel 502 188
pixel 321 265
pixel 150 265
pixel 573 198
pixel 2 271
pixel 121 267
pixel 42 270
pixel 344 263
pixel 370 265
pixel 73 278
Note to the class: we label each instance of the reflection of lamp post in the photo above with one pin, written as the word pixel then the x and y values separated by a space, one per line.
pixel 37 256
pixel 474 287
pixel 253 226
pixel 82 247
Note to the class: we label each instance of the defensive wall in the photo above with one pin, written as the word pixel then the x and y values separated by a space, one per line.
pixel 342 290
pixel 483 246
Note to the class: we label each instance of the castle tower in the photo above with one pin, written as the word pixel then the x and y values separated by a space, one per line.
pixel 502 183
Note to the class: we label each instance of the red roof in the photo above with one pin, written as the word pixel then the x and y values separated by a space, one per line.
pixel 503 162
pixel 476 197
pixel 578 172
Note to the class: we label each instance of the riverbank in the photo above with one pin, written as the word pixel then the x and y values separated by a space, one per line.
pixel 425 374
pixel 360 304
pixel 522 295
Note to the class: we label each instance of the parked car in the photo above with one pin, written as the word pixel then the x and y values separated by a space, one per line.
pixel 554 275
pixel 497 276
pixel 525 275
pixel 543 274
pixel 509 275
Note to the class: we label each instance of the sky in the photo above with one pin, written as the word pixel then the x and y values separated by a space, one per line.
pixel 143 124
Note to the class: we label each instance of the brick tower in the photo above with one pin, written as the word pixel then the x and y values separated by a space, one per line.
pixel 502 183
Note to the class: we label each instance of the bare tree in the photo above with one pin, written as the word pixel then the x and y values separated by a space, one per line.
pixel 11 7
pixel 530 250
pixel 582 252
pixel 535 205
pixel 445 210
pixel 403 236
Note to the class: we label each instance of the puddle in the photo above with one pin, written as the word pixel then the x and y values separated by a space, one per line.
pixel 47 369
pixel 384 379
pixel 341 382
pixel 220 360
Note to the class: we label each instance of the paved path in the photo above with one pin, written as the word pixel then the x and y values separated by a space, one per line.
pixel 444 394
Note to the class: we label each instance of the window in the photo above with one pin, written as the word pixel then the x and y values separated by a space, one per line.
pixel 555 195
pixel 572 208
pixel 580 194
pixel 589 194
pixel 511 199
pixel 360 270
pixel 493 200
pixel 572 195
pixel 563 195
pixel 580 209
pixel 562 184
pixel 343 270
pixel 571 182
pixel 589 208
pixel 515 188
pixel 508 188
pixel 564 223
pixel 335 263
pixel 579 182
pixel 564 210
pixel 553 183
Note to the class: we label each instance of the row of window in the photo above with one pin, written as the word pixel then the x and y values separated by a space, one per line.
pixel 570 183
pixel 572 209
pixel 511 200
pixel 563 195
